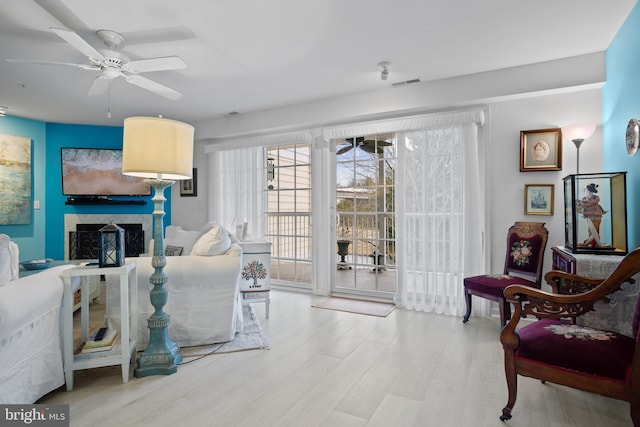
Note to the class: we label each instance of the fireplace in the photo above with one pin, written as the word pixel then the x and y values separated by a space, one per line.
pixel 83 243
pixel 81 233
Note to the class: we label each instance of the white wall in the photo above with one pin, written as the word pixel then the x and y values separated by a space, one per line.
pixel 191 212
pixel 506 182
pixel 536 96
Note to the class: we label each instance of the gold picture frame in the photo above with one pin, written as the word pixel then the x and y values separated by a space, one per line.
pixel 538 199
pixel 189 187
pixel 541 150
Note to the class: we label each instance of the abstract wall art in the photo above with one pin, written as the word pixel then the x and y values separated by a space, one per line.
pixel 15 180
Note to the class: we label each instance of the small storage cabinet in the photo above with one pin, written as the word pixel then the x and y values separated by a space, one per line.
pixel 595 213
pixel 255 276
pixel 562 260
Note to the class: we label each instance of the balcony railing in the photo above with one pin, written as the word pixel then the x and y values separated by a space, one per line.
pixel 372 237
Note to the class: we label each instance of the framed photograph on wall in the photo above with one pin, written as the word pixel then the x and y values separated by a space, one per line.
pixel 189 187
pixel 538 199
pixel 541 150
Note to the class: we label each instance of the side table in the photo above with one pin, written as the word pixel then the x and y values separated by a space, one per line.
pixel 617 313
pixel 255 276
pixel 128 314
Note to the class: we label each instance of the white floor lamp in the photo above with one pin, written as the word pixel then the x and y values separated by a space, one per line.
pixel 160 150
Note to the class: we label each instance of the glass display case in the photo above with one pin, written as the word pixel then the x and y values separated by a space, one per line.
pixel 595 213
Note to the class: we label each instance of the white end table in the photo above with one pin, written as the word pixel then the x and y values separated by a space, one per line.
pixel 128 314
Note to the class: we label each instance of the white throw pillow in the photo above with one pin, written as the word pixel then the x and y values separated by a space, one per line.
pixel 9 265
pixel 176 236
pixel 214 242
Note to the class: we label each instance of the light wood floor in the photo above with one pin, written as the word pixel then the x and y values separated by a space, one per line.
pixel 330 368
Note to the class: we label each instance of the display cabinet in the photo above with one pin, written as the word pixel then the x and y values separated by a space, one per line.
pixel 595 213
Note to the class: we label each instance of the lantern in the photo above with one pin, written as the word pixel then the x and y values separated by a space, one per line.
pixel 111 246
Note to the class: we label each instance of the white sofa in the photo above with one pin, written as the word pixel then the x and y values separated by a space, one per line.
pixel 30 342
pixel 204 302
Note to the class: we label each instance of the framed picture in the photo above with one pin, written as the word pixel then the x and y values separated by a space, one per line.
pixel 541 150
pixel 538 199
pixel 189 187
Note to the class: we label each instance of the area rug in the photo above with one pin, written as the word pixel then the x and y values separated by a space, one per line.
pixel 250 338
pixel 370 308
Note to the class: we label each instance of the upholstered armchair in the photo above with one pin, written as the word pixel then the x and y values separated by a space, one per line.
pixel 526 242
pixel 560 349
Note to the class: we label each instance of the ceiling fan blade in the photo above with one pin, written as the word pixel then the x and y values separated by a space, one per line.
pixel 99 86
pixel 154 64
pixel 370 148
pixel 344 150
pixel 67 64
pixel 78 42
pixel 379 142
pixel 154 87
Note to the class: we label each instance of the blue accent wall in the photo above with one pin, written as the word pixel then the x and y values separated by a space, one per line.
pixel 621 102
pixel 30 237
pixel 44 237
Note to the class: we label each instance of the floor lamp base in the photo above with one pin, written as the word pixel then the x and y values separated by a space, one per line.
pixel 162 355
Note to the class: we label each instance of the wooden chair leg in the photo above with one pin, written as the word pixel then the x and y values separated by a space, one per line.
pixel 512 384
pixel 467 298
pixel 505 311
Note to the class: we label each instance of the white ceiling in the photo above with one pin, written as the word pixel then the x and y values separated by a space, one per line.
pixel 252 55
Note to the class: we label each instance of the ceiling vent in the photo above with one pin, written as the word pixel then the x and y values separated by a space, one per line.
pixel 406 82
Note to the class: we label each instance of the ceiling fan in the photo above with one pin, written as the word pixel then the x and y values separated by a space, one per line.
pixel 112 64
pixel 368 145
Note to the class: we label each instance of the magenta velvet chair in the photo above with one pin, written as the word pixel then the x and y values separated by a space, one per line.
pixel 526 242
pixel 557 350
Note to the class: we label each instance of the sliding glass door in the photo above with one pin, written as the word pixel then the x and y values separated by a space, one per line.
pixel 365 216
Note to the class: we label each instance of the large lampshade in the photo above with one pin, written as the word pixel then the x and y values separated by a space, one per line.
pixel 155 147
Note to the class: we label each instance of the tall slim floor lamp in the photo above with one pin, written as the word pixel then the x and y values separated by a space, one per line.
pixel 577 134
pixel 160 150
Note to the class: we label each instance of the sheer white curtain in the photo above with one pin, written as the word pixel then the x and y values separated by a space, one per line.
pixel 237 189
pixel 238 186
pixel 439 205
pixel 440 208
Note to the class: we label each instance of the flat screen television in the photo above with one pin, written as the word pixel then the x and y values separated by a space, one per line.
pixel 97 172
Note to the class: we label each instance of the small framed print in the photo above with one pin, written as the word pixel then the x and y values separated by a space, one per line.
pixel 538 199
pixel 541 150
pixel 189 187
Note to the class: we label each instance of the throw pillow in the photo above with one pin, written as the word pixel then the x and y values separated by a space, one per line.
pixel 176 236
pixel 214 242
pixel 173 250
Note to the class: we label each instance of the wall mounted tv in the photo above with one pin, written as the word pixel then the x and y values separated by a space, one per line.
pixel 97 172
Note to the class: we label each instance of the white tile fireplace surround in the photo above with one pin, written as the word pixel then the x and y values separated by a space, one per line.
pixel 71 220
